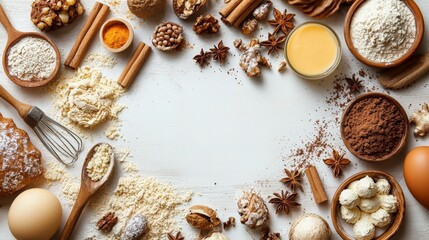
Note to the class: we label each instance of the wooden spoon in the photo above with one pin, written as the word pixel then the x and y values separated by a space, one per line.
pixel 14 37
pixel 87 188
pixel 405 74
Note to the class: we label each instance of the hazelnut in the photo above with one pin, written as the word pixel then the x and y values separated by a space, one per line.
pixel 202 217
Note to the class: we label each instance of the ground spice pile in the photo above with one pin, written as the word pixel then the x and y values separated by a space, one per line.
pixel 116 35
pixel 374 127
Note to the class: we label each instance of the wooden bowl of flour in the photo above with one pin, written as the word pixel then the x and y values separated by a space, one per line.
pixel 419 21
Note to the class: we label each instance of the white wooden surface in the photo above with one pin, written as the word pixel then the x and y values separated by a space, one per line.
pixel 218 133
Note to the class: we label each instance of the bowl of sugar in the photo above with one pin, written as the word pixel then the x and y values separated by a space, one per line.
pixel 383 33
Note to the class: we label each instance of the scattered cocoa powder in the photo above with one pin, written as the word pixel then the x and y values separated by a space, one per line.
pixel 374 127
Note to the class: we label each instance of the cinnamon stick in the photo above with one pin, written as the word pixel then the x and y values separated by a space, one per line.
pixel 243 9
pixel 134 65
pixel 224 12
pixel 93 23
pixel 246 13
pixel 316 185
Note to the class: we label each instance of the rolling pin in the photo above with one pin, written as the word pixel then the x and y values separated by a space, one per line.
pixel 405 74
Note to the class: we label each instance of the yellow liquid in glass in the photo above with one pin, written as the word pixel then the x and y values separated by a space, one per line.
pixel 312 49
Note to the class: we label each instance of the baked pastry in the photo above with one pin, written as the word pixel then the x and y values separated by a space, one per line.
pixel 20 160
pixel 50 15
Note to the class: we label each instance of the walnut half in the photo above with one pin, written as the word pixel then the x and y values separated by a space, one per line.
pixel 202 217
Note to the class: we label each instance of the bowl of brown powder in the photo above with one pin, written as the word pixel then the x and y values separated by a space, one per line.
pixel 374 127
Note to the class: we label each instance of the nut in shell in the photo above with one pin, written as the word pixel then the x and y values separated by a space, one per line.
pixel 186 8
pixel 49 15
pixel 167 36
pixel 252 209
pixel 202 217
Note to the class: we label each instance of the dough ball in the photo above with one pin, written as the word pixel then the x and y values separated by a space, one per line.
pixel 145 8
pixel 381 218
pixel 350 215
pixel 217 236
pixel 309 227
pixel 388 203
pixel 383 186
pixel 369 205
pixel 349 199
pixel 364 230
pixel 366 187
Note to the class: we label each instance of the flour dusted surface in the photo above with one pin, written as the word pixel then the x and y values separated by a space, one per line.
pixel 383 30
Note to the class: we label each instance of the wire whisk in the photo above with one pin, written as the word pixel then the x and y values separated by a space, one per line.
pixel 64 144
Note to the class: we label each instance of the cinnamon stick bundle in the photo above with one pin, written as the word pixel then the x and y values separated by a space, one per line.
pixel 316 185
pixel 235 12
pixel 134 65
pixel 93 23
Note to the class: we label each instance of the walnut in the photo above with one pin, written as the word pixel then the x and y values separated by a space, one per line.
pixel 251 57
pixel 266 234
pixel 249 26
pixel 421 120
pixel 107 222
pixel 207 23
pixel 230 223
pixel 202 217
pixel 167 36
pixel 252 209
pixel 49 15
pixel 186 8
pixel 261 12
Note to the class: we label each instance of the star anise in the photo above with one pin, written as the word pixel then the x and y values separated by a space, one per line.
pixel 177 237
pixel 354 84
pixel 203 58
pixel 266 234
pixel 284 201
pixel 293 179
pixel 282 21
pixel 273 43
pixel 220 52
pixel 337 163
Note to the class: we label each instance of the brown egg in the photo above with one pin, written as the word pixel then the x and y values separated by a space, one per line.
pixel 416 173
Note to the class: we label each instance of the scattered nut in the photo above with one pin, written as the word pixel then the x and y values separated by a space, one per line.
pixel 421 120
pixel 283 65
pixel 249 26
pixel 252 209
pixel 49 15
pixel 202 217
pixel 207 23
pixel 167 36
pixel 230 223
pixel 186 8
pixel 135 228
pixel 266 234
pixel 107 222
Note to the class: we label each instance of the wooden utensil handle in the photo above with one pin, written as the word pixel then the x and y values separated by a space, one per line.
pixel 6 23
pixel 22 108
pixel 81 201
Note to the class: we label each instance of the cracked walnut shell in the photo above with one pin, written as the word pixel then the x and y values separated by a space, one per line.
pixel 207 23
pixel 202 217
pixel 252 209
pixel 186 8
pixel 49 15
pixel 167 36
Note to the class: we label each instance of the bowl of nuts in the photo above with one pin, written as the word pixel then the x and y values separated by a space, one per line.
pixel 167 36
pixel 368 205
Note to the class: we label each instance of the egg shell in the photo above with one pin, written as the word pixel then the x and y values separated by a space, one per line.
pixel 416 169
pixel 35 214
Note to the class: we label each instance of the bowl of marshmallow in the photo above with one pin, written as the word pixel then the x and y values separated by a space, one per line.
pixel 368 205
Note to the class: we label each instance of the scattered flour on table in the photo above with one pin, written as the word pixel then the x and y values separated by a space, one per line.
pixel 100 60
pixel 31 59
pixel 87 99
pixel 55 173
pixel 383 30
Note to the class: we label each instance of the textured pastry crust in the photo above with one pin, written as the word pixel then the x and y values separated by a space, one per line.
pixel 20 160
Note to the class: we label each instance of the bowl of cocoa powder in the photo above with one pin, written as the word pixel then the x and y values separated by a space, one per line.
pixel 374 127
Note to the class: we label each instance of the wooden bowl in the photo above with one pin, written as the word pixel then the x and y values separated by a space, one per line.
pixel 403 114
pixel 396 190
pixel 109 23
pixel 419 35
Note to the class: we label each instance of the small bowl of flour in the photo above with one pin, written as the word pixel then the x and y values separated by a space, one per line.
pixel 383 33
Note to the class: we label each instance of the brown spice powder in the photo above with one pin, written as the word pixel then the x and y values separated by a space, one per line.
pixel 374 127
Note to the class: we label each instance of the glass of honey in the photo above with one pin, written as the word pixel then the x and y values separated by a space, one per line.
pixel 313 50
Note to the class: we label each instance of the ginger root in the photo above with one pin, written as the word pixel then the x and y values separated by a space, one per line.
pixel 421 120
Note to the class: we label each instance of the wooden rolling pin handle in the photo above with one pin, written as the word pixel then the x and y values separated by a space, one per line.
pixel 22 108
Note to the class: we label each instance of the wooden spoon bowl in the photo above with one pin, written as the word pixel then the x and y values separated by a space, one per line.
pixel 14 37
pixel 397 217
pixel 404 115
pixel 419 35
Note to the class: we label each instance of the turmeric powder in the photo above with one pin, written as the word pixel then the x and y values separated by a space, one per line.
pixel 116 35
